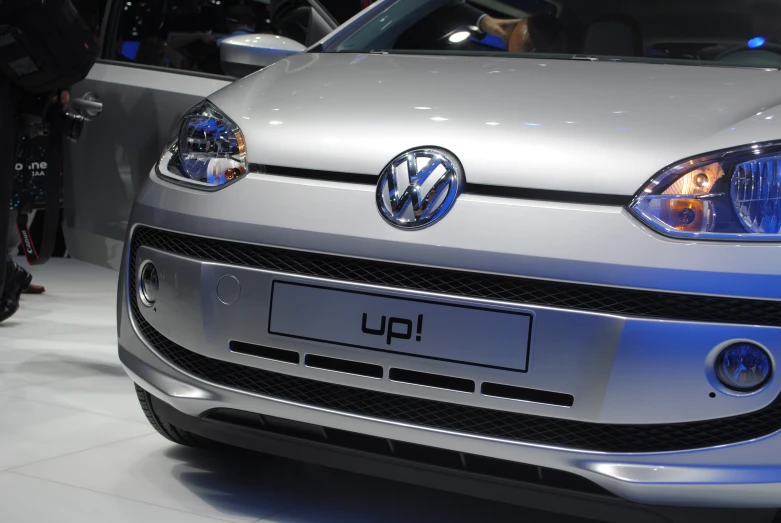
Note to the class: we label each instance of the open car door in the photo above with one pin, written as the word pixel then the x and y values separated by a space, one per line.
pixel 133 98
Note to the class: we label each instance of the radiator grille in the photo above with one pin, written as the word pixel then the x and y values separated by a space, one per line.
pixel 594 298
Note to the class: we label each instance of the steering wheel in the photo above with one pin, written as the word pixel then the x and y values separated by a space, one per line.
pixel 759 56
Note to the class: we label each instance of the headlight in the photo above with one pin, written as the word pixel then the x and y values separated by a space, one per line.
pixel 209 152
pixel 723 196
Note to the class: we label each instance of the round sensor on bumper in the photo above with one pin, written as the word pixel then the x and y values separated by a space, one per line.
pixel 148 283
pixel 744 367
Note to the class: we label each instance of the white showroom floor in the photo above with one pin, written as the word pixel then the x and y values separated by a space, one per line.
pixel 75 446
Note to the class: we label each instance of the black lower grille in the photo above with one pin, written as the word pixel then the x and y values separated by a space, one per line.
pixel 457 461
pixel 611 300
pixel 454 417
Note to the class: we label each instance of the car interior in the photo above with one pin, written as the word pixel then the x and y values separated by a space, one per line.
pixel 722 32
pixel 184 34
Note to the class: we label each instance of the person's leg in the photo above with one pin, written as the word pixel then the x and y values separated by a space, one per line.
pixel 9 299
pixel 7 159
pixel 13 240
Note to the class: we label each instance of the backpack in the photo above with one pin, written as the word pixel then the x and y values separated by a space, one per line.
pixel 44 44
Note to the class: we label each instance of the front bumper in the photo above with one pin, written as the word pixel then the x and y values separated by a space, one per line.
pixel 620 369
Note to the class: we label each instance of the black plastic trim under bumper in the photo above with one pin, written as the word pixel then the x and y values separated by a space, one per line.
pixel 577 504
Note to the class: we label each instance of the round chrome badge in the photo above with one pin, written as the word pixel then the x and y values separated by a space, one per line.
pixel 419 187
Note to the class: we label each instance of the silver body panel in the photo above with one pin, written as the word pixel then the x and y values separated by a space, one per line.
pixel 511 122
pixel 595 244
pixel 261 50
pixel 107 167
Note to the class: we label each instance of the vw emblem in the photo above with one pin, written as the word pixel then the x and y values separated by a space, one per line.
pixel 419 187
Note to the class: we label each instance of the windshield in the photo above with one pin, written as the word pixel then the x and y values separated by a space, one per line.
pixel 701 32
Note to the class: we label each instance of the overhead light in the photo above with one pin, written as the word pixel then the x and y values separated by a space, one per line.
pixel 459 37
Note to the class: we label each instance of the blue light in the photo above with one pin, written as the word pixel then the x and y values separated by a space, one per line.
pixel 491 41
pixel 743 367
pixel 532 124
pixel 130 49
pixel 757 41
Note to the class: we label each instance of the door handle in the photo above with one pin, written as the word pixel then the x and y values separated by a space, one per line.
pixel 89 106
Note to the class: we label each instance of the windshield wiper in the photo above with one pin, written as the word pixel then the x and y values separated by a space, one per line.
pixel 592 58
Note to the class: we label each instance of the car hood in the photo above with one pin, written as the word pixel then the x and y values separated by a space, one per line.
pixel 592 127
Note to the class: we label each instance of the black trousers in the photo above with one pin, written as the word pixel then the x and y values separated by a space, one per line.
pixel 7 159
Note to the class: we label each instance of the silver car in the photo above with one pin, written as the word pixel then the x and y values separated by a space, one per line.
pixel 527 250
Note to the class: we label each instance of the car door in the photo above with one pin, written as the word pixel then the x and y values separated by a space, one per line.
pixel 134 96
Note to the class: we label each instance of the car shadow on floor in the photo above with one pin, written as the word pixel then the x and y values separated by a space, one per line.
pixel 241 482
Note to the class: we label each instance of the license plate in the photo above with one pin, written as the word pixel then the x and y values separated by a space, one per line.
pixel 466 334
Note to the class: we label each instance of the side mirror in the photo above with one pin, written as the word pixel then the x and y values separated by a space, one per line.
pixel 245 54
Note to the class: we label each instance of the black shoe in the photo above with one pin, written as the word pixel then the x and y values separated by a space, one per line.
pixel 8 306
pixel 16 280
pixel 25 280
pixel 22 278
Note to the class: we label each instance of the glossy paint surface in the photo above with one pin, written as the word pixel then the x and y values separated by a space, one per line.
pixel 593 127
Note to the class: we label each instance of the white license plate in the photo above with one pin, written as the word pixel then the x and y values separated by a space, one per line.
pixel 416 327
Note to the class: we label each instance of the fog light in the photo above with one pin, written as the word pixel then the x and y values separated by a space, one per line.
pixel 148 284
pixel 743 367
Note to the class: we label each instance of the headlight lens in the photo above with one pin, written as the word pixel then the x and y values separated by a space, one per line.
pixel 728 195
pixel 209 153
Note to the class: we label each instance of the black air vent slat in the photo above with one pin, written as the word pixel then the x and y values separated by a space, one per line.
pixel 356 441
pixel 346 366
pixel 429 455
pixel 269 353
pixel 524 394
pixel 431 380
pixel 503 469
